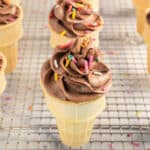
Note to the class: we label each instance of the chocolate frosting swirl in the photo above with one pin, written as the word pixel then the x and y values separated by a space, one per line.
pixel 85 20
pixel 8 13
pixel 83 79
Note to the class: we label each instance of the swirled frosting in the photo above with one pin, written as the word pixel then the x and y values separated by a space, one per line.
pixel 75 17
pixel 84 78
pixel 8 13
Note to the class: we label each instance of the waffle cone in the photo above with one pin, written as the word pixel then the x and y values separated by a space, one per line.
pixel 57 39
pixel 140 6
pixel 74 120
pixel 9 37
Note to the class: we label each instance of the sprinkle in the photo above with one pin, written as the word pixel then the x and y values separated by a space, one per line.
pixel 30 107
pixel 79 5
pixel 66 45
pixel 55 63
pixel 70 8
pixel 138 114
pixel 110 146
pixel 7 98
pixel 10 19
pixel 135 144
pixel 90 61
pixel 97 73
pixel 97 59
pixel 129 135
pixel 86 69
pixel 87 31
pixel 74 60
pixel 85 42
pixel 93 25
pixel 67 63
pixel 63 33
pixel 70 57
pixel 73 13
pixel 55 76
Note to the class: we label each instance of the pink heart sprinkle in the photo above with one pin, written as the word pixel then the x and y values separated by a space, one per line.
pixel 135 144
pixel 110 146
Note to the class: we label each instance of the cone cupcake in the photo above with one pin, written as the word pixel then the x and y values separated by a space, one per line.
pixel 2 73
pixel 146 35
pixel 75 82
pixel 69 20
pixel 10 32
pixel 140 6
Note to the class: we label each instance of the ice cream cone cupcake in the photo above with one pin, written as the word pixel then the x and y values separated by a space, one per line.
pixel 14 2
pixel 140 6
pixel 10 32
pixel 69 20
pixel 3 63
pixel 75 82
pixel 146 35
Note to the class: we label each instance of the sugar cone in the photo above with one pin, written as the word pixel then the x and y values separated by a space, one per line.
pixel 146 36
pixel 9 36
pixel 57 39
pixel 2 74
pixel 140 6
pixel 74 120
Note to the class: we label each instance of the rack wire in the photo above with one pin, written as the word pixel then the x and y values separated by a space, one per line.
pixel 26 123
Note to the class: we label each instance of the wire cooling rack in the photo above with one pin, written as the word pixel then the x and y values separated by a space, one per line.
pixel 26 123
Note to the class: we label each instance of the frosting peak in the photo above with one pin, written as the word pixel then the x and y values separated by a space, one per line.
pixel 75 17
pixel 75 72
pixel 8 13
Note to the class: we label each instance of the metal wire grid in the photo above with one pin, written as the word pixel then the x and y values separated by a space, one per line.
pixel 27 124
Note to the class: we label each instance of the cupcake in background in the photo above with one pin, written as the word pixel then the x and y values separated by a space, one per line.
pixel 75 82
pixel 140 8
pixel 11 31
pixel 69 20
pixel 3 63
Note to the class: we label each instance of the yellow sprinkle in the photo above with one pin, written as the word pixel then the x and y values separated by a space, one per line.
pixel 63 33
pixel 79 5
pixel 67 63
pixel 138 114
pixel 73 13
pixel 56 76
